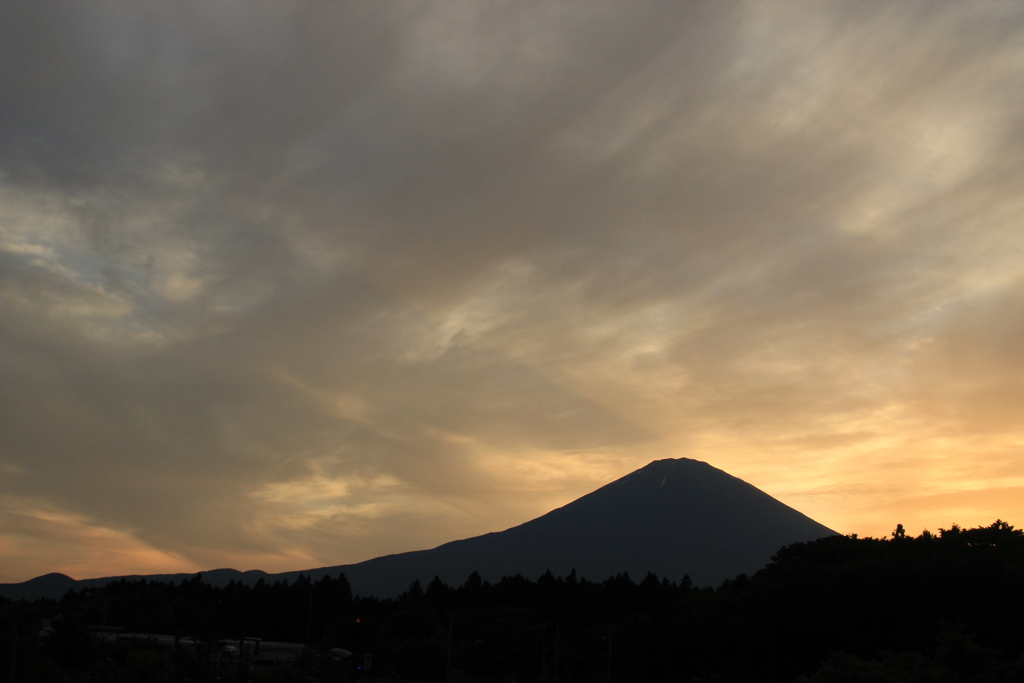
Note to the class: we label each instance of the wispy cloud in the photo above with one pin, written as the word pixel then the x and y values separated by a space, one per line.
pixel 304 284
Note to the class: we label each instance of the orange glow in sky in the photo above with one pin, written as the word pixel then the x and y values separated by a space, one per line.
pixel 300 285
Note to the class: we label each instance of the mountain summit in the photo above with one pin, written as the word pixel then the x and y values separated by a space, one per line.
pixel 672 517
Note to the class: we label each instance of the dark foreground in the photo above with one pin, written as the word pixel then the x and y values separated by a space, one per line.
pixel 936 608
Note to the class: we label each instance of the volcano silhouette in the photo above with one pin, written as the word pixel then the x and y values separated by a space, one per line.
pixel 673 518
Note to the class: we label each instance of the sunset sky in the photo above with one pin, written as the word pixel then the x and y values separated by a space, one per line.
pixel 288 285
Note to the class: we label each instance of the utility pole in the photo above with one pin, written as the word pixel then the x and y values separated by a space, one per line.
pixel 309 616
pixel 558 645
pixel 14 647
pixel 448 665
pixel 608 640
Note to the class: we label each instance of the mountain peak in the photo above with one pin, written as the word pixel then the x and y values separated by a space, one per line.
pixel 53 584
pixel 674 467
pixel 672 517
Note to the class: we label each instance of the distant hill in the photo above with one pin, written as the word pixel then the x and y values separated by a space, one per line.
pixel 45 586
pixel 673 517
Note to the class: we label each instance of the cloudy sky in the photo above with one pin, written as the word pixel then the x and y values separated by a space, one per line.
pixel 286 285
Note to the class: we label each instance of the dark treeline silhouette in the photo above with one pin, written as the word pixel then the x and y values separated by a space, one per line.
pixel 938 607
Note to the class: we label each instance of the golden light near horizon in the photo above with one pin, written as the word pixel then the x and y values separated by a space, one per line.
pixel 303 285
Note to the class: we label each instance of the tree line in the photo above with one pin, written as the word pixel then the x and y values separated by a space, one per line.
pixel 937 607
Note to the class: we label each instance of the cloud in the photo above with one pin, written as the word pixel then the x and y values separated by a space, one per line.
pixel 310 283
pixel 35 536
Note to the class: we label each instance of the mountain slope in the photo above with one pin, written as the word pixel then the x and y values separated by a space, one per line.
pixel 51 585
pixel 672 517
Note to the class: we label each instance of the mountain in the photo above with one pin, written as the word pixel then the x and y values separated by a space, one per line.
pixel 673 517
pixel 45 586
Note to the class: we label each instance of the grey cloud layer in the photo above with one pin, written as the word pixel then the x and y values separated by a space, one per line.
pixel 284 280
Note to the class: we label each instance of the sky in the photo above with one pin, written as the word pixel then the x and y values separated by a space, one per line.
pixel 290 285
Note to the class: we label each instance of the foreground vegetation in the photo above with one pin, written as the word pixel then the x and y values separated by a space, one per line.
pixel 935 608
